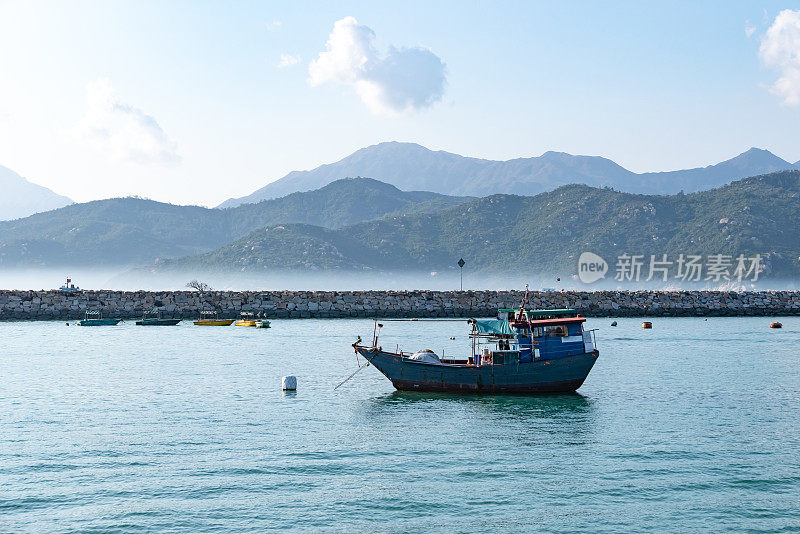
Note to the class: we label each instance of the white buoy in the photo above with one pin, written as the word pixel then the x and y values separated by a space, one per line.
pixel 289 383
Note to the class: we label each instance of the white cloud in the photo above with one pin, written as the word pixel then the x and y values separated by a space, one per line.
pixel 288 60
pixel 402 80
pixel 274 25
pixel 749 29
pixel 780 49
pixel 124 132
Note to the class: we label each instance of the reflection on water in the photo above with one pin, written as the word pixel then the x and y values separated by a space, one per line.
pixel 501 405
pixel 524 419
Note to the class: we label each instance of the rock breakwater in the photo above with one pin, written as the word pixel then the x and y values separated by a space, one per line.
pixel 50 305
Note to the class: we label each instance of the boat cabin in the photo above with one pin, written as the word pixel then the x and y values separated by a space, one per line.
pixel 522 336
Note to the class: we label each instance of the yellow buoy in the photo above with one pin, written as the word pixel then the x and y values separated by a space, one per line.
pixel 647 324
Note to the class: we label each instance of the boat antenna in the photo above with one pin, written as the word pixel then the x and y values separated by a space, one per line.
pixel 522 307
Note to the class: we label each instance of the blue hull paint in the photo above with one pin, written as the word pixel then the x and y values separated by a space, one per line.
pixel 558 375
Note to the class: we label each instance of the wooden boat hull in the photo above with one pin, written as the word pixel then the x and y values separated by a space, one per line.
pixel 214 322
pixel 559 375
pixel 245 322
pixel 99 322
pixel 158 322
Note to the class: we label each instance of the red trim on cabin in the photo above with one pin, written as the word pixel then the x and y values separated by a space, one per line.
pixel 544 322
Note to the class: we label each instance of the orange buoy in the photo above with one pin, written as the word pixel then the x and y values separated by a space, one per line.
pixel 647 324
pixel 775 325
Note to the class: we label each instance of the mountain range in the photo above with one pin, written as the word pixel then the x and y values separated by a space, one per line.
pixel 131 231
pixel 362 224
pixel 410 166
pixel 21 198
pixel 546 233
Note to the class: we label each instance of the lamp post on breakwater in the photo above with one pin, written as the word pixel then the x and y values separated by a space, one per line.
pixel 461 264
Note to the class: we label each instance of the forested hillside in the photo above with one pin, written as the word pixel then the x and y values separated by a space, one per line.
pixel 544 233
pixel 125 231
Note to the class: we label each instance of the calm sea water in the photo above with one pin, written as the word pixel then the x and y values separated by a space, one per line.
pixel 691 426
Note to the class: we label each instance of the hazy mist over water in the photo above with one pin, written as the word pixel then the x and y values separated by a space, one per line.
pixel 123 279
pixel 322 281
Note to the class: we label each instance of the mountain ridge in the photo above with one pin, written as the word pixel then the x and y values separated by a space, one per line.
pixel 22 198
pixel 413 166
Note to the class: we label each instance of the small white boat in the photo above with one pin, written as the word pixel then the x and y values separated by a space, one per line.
pixel 261 321
pixel 69 286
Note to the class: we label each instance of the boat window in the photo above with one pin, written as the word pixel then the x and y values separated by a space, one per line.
pixel 555 331
pixel 537 331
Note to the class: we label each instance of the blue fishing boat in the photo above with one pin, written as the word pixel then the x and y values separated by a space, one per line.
pixel 95 318
pixel 522 351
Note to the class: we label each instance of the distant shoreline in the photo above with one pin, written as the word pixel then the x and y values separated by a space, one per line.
pixel 65 305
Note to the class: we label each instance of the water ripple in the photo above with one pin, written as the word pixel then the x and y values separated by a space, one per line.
pixel 690 427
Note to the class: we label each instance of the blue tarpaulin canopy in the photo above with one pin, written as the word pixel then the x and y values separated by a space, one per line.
pixel 494 326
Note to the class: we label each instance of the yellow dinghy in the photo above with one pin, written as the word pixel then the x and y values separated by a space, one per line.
pixel 247 319
pixel 214 322
pixel 209 318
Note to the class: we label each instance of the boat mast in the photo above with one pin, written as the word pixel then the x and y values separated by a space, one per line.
pixel 522 307
pixel 375 333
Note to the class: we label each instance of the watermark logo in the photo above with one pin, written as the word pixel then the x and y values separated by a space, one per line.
pixel 591 267
pixel 715 268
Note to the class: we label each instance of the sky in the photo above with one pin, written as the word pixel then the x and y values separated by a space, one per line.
pixel 195 102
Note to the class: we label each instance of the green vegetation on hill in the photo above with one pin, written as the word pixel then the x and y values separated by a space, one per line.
pixel 285 247
pixel 341 203
pixel 117 231
pixel 544 233
pixel 124 231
